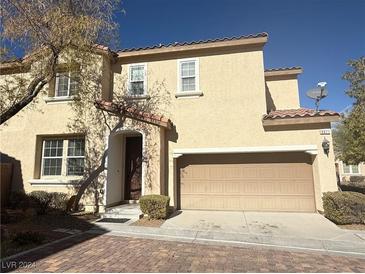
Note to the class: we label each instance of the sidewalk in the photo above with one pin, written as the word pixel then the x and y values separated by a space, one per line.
pixel 332 246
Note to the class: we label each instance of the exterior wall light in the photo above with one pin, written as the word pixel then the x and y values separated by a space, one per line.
pixel 326 146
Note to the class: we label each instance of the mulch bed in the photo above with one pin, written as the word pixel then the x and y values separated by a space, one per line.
pixel 148 222
pixel 45 225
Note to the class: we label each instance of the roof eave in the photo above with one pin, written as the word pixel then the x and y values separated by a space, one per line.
pixel 283 72
pixel 257 41
pixel 300 120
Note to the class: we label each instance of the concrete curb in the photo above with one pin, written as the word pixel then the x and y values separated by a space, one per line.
pixel 236 239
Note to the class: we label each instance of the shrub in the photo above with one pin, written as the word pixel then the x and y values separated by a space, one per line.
pixel 27 238
pixel 19 199
pixel 354 187
pixel 59 201
pixel 344 207
pixel 155 206
pixel 42 201
pixel 356 184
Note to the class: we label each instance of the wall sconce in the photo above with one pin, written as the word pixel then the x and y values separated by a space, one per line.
pixel 326 146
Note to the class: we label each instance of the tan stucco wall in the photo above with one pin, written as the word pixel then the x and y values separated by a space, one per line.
pixel 230 111
pixel 229 114
pixel 21 139
pixel 282 93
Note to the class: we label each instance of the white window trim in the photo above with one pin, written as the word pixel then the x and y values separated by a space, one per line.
pixel 73 157
pixel 350 167
pixel 59 99
pixel 57 83
pixel 51 157
pixel 64 158
pixel 190 93
pixel 145 86
pixel 68 97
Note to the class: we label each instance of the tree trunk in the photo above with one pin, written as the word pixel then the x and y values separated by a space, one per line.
pixel 32 91
pixel 85 183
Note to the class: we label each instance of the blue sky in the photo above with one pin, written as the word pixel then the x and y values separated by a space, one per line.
pixel 321 36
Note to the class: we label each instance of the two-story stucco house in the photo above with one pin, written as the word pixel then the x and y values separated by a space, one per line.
pixel 234 136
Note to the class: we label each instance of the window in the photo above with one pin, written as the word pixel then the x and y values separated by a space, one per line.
pixel 66 84
pixel 137 79
pixel 52 157
pixel 350 169
pixel 63 157
pixel 188 75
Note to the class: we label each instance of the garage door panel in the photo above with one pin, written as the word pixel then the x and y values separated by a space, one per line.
pixel 247 186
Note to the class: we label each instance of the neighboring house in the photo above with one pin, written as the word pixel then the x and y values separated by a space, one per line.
pixel 236 137
pixel 345 172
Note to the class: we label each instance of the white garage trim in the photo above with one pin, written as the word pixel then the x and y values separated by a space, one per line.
pixel 310 149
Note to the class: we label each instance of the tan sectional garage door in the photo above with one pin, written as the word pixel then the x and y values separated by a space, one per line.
pixel 262 182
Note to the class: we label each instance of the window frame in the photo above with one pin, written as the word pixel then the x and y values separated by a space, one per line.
pixel 73 157
pixel 145 86
pixel 179 75
pixel 350 169
pixel 68 85
pixel 65 157
pixel 53 157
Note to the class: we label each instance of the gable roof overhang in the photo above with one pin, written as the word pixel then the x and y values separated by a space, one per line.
pixel 201 46
pixel 133 113
pixel 280 73
pixel 301 116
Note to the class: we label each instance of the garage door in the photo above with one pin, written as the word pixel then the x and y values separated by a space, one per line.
pixel 257 182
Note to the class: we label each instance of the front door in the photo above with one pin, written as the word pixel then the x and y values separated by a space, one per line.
pixel 133 168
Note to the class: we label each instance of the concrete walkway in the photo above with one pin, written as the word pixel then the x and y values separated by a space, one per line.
pixel 293 231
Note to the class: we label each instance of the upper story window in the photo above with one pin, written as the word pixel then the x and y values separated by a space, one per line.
pixel 350 169
pixel 66 84
pixel 63 157
pixel 188 71
pixel 137 79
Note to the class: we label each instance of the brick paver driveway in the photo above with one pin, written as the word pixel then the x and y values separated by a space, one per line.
pixel 104 253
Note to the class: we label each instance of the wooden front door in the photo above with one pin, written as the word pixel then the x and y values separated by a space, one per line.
pixel 133 168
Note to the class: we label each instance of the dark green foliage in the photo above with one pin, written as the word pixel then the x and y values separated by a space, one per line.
pixel 155 206
pixel 59 201
pixel 356 184
pixel 27 238
pixel 349 137
pixel 41 200
pixel 344 207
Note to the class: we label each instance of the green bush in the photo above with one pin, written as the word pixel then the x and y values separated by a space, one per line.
pixel 19 200
pixel 41 200
pixel 155 206
pixel 356 184
pixel 27 238
pixel 344 207
pixel 59 201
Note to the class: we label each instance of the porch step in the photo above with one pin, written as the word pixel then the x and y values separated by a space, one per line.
pixel 128 211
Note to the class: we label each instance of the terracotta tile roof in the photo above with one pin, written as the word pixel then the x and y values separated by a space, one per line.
pixel 298 113
pixel 134 113
pixel 176 44
pixel 282 69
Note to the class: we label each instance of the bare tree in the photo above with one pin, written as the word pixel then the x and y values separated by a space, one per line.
pixel 67 35
pixel 45 30
pixel 106 117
